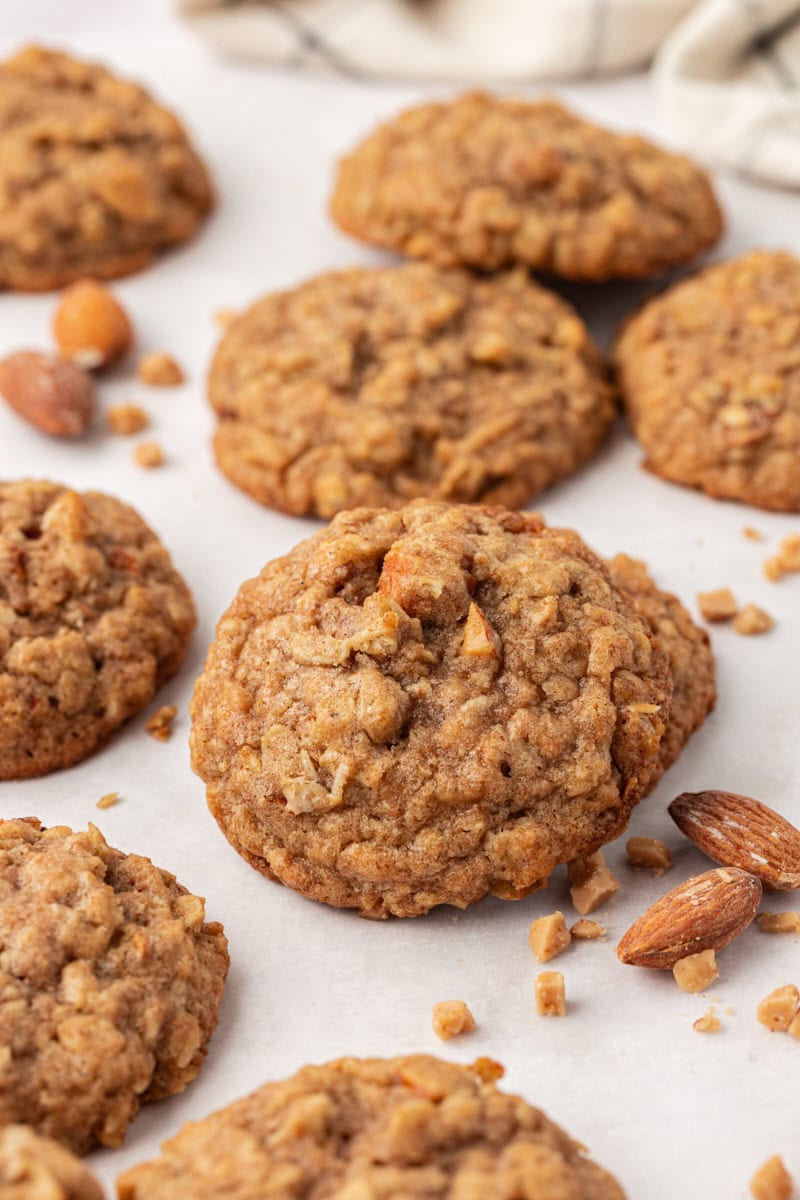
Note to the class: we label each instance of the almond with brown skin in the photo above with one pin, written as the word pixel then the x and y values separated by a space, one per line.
pixel 704 913
pixel 740 832
pixel 51 394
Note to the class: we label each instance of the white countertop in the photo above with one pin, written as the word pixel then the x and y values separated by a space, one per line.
pixel 670 1111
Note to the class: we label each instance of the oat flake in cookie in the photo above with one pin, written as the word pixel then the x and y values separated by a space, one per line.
pixel 710 376
pixel 486 182
pixel 688 649
pixel 377 387
pixel 95 176
pixel 412 1128
pixel 37 1168
pixel 422 706
pixel 93 619
pixel 110 983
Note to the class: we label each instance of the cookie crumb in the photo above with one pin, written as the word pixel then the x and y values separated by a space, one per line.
pixel 696 972
pixel 772 1181
pixel 551 997
pixel 586 931
pixel 786 561
pixel 159 725
pixel 778 1010
pixel 549 936
pixel 109 800
pixel 649 852
pixel 753 620
pixel 148 454
pixel 159 370
pixel 773 569
pixel 708 1023
pixel 591 883
pixel 451 1018
pixel 753 535
pixel 717 605
pixel 780 922
pixel 126 419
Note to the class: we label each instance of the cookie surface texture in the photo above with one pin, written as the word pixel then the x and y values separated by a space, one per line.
pixel 95 176
pixel 411 1128
pixel 110 983
pixel 688 649
pixel 710 376
pixel 37 1168
pixel 487 182
pixel 420 707
pixel 93 619
pixel 375 387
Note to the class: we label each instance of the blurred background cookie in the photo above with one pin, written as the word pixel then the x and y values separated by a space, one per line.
pixel 37 1168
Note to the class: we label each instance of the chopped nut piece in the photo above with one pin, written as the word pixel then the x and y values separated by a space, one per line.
pixel 451 1018
pixel 488 1070
pixel 708 1023
pixel 794 1028
pixel 591 883
pixel 754 535
pixel 779 1008
pixel 159 725
pixel 772 1181
pixel 781 922
pixel 90 325
pixel 109 800
pixel 159 370
pixel 585 931
pixel 551 1000
pixel 479 640
pixel 696 972
pixel 148 454
pixel 549 936
pixel 718 605
pixel 649 852
pixel 773 569
pixel 752 620
pixel 126 419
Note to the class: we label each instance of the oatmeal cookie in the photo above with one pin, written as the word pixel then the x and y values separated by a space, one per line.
pixel 710 375
pixel 485 182
pixel 93 619
pixel 394 1129
pixel 95 177
pixel 37 1168
pixel 419 707
pixel 688 649
pixel 377 387
pixel 110 983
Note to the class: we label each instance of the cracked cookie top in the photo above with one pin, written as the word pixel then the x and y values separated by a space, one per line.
pixel 486 182
pixel 414 1128
pixel 379 387
pixel 93 619
pixel 423 706
pixel 110 983
pixel 95 177
pixel 710 376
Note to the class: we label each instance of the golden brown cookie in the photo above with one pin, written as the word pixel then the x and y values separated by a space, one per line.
pixel 377 387
pixel 485 182
pixel 95 177
pixel 413 1128
pixel 688 649
pixel 710 375
pixel 93 619
pixel 422 706
pixel 110 983
pixel 37 1168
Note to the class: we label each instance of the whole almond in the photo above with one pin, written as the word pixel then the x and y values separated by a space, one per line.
pixel 90 325
pixel 740 832
pixel 53 395
pixel 704 913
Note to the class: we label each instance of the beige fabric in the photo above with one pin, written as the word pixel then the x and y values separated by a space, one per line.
pixel 727 71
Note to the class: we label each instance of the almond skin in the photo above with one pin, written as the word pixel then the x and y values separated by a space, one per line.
pixel 51 394
pixel 704 913
pixel 740 832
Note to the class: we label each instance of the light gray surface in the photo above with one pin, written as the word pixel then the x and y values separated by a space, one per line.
pixel 670 1111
